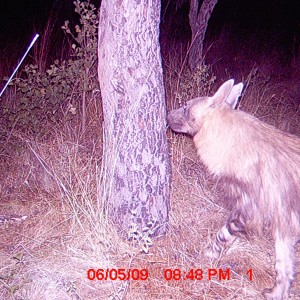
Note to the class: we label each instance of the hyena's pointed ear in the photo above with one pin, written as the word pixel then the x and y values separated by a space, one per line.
pixel 222 93
pixel 233 97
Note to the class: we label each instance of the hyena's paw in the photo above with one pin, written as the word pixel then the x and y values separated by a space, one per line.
pixel 284 268
pixel 223 239
pixel 276 293
pixel 211 253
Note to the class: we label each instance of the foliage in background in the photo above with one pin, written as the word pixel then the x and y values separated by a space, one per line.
pixel 60 93
pixel 195 83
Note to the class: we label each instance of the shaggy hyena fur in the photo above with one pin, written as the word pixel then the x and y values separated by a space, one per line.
pixel 260 168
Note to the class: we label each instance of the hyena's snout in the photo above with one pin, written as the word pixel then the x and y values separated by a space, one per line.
pixel 179 122
pixel 176 120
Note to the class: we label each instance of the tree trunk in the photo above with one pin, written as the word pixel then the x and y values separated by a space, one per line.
pixel 198 17
pixel 136 160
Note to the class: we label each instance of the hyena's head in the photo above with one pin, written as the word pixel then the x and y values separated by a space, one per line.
pixel 188 119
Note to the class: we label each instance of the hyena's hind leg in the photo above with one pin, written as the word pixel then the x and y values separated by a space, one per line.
pixel 226 235
pixel 283 266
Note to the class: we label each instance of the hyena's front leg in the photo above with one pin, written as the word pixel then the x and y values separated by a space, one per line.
pixel 284 268
pixel 226 235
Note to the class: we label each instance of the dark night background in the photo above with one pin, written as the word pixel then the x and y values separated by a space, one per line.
pixel 254 31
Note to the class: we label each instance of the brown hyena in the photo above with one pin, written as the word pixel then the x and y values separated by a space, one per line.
pixel 260 168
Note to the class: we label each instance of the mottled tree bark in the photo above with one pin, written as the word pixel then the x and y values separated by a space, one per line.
pixel 136 161
pixel 199 15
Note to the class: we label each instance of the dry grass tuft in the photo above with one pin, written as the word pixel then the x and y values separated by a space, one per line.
pixel 273 101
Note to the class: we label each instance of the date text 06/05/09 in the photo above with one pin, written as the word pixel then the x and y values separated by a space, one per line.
pixel 168 274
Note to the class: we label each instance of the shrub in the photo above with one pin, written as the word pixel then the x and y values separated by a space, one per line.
pixel 54 97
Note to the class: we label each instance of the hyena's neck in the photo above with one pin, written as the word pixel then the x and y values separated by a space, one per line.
pixel 219 141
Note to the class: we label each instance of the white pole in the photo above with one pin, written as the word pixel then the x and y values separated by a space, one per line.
pixel 16 69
